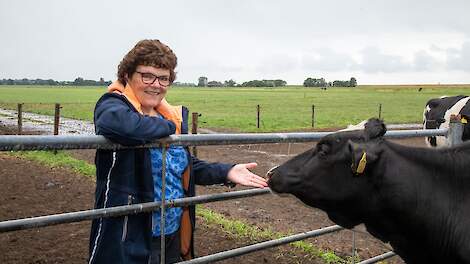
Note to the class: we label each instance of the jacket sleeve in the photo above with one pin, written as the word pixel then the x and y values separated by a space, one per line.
pixel 115 120
pixel 206 173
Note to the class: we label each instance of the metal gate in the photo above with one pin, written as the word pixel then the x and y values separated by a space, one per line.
pixel 15 143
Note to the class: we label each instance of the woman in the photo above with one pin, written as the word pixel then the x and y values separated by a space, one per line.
pixel 134 112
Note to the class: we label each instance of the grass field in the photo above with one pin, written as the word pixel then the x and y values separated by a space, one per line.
pixel 282 109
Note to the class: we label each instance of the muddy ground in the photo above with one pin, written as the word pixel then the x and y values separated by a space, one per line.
pixel 29 189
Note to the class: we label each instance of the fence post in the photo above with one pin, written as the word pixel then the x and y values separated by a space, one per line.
pixel 56 119
pixel 257 115
pixel 313 116
pixel 380 111
pixel 454 136
pixel 20 119
pixel 194 130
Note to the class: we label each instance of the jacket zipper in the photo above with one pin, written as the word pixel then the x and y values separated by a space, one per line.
pixel 124 227
pixel 153 226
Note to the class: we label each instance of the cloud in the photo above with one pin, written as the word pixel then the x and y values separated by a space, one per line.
pixel 459 59
pixel 375 61
pixel 423 61
pixel 276 64
pixel 325 59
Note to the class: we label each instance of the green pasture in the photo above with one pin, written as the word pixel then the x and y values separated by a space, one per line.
pixel 282 109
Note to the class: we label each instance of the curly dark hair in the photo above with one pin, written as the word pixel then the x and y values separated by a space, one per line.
pixel 147 52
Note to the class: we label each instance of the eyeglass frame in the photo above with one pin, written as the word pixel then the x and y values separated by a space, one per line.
pixel 155 78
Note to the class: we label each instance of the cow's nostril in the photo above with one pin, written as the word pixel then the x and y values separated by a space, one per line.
pixel 269 174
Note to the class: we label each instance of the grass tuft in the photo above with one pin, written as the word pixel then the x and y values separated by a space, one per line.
pixel 237 228
pixel 60 159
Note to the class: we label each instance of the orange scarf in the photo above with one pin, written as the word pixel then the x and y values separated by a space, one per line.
pixel 172 113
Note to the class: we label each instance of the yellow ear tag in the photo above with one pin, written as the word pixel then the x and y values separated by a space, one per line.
pixel 362 164
pixel 463 120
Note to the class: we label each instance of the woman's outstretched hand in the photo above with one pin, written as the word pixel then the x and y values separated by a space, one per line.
pixel 240 174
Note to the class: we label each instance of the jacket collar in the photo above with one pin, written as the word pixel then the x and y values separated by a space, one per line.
pixel 172 113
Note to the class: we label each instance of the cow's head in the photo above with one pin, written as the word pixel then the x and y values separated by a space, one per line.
pixel 333 176
pixel 437 114
pixel 433 117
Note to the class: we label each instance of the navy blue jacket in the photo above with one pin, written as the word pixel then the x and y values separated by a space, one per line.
pixel 125 177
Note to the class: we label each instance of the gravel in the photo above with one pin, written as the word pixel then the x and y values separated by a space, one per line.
pixel 45 124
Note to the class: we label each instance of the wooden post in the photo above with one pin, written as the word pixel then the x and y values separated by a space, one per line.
pixel 194 130
pixel 313 116
pixel 380 111
pixel 20 119
pixel 56 119
pixel 257 115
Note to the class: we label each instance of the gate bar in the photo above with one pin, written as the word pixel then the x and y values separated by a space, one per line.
pixel 41 221
pixel 263 245
pixel 36 142
pixel 378 258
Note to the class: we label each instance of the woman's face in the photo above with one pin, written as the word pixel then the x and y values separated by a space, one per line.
pixel 149 85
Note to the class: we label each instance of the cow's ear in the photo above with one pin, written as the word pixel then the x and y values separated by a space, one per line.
pixel 363 155
pixel 374 128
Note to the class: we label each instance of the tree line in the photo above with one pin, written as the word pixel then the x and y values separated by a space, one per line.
pixel 309 82
pixel 202 82
pixel 79 81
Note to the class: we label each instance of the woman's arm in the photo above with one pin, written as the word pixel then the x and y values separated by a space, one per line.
pixel 115 120
pixel 212 173
pixel 207 173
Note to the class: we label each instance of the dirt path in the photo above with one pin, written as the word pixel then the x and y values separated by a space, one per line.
pixel 29 189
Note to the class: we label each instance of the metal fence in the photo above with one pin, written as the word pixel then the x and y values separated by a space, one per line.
pixel 11 143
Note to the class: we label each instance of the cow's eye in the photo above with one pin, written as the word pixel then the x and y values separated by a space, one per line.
pixel 323 150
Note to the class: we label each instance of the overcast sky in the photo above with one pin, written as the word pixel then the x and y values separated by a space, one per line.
pixel 376 41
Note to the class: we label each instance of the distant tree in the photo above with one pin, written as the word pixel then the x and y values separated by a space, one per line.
pixel 51 82
pixel 230 83
pixel 182 84
pixel 278 83
pixel 214 84
pixel 254 83
pixel 314 82
pixel 25 81
pixel 78 81
pixel 339 83
pixel 352 82
pixel 202 81
pixel 308 82
pixel 264 83
pixel 269 83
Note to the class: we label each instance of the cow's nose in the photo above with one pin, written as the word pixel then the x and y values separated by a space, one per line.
pixel 270 172
pixel 440 120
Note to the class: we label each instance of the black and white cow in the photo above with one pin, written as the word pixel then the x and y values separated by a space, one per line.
pixel 417 199
pixel 437 115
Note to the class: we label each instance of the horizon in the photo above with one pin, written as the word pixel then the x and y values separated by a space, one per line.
pixel 288 84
